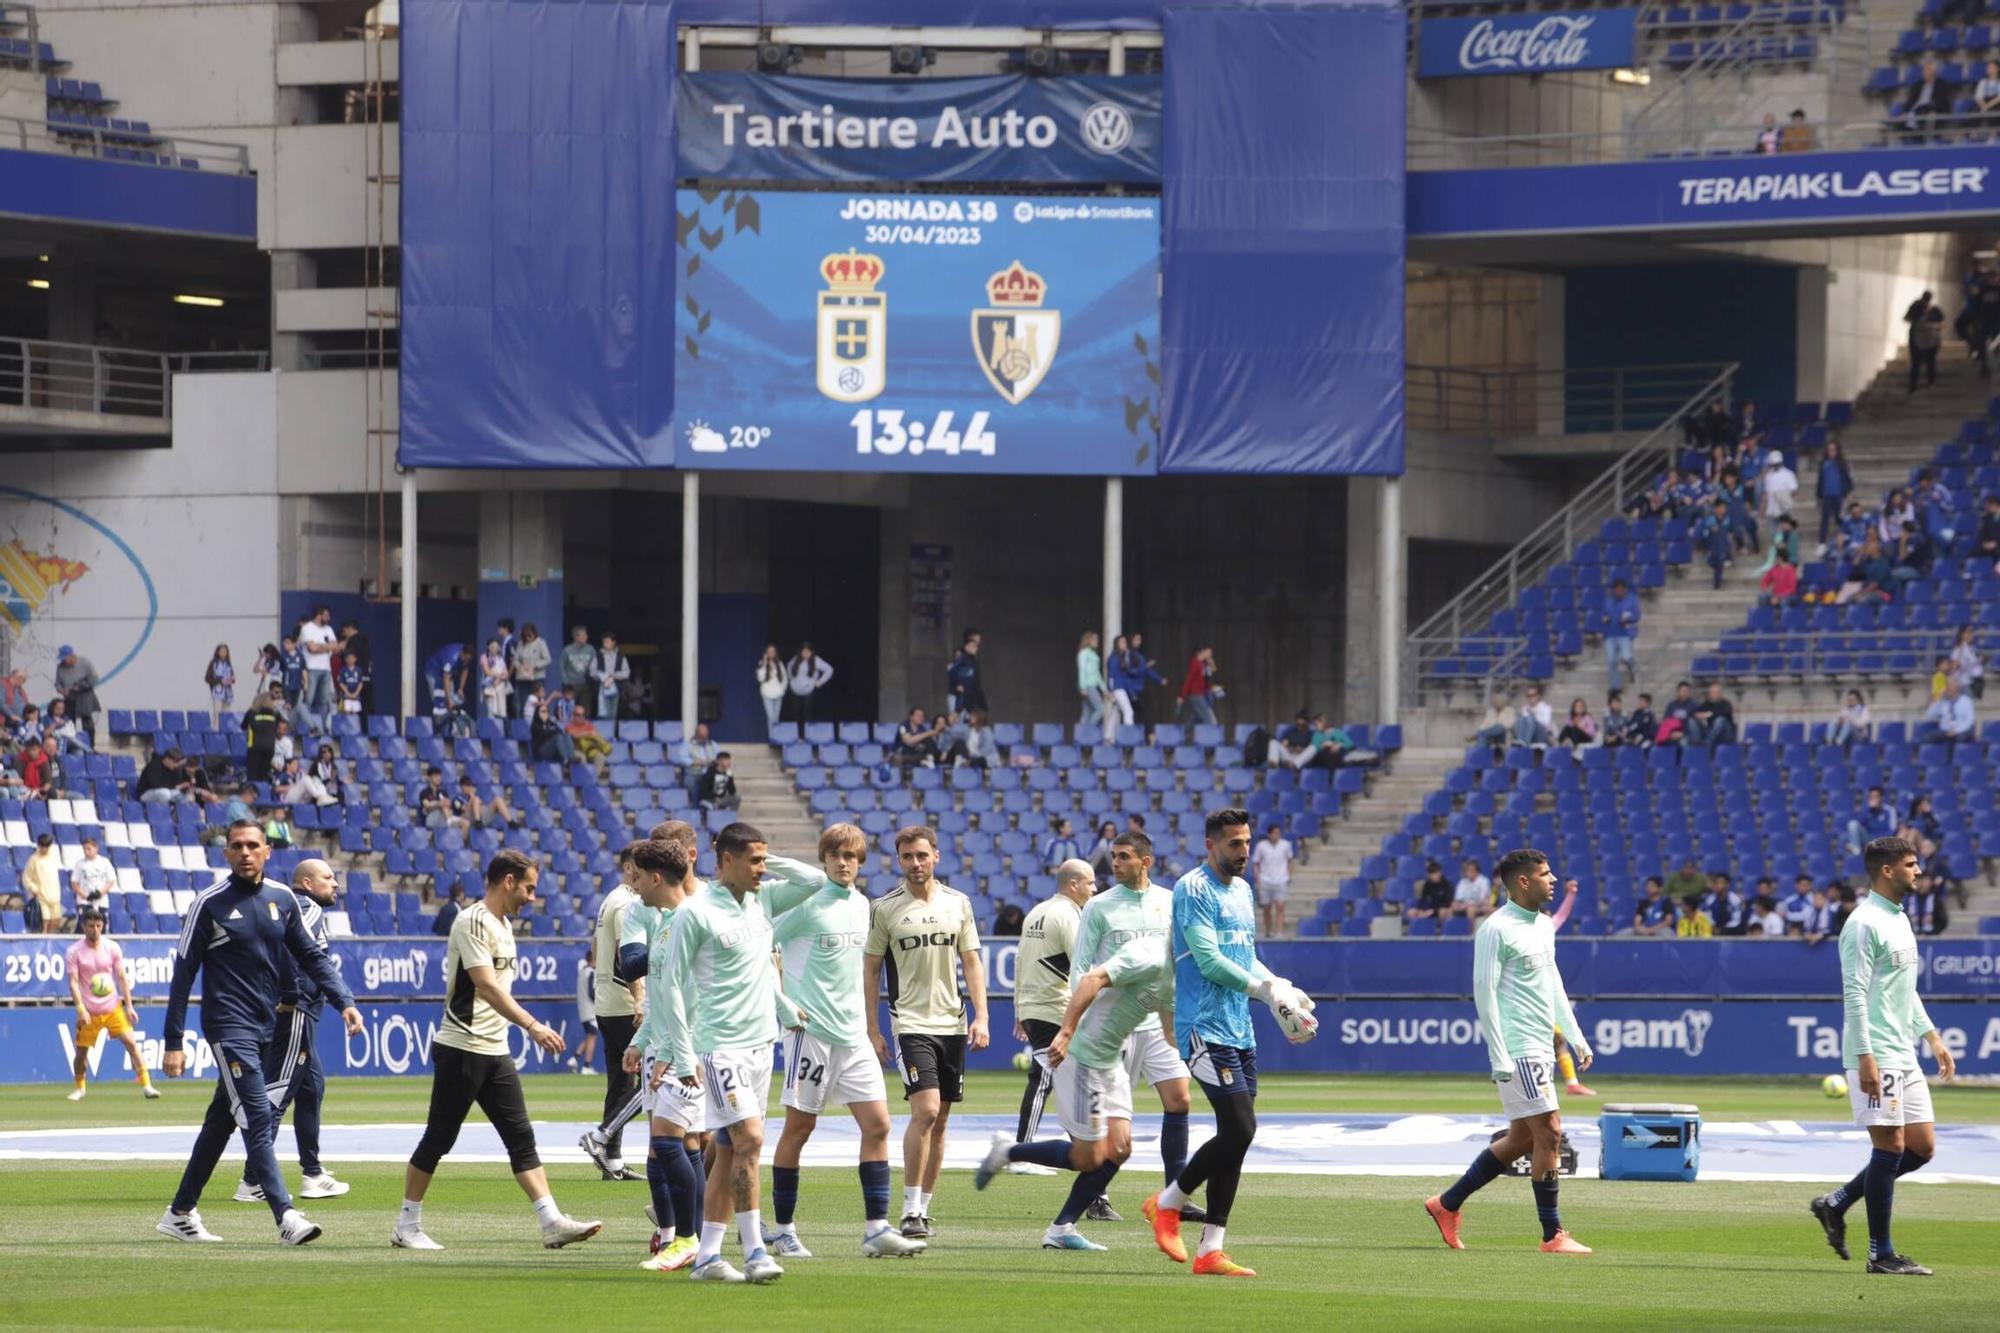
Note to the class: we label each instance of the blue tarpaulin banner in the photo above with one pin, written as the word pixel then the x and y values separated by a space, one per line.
pixel 1532 43
pixel 1087 129
pixel 917 333
pixel 1283 309
pixel 1691 193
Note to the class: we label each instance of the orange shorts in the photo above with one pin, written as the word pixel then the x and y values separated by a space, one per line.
pixel 113 1023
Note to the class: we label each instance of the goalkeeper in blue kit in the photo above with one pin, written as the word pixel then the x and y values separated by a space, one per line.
pixel 1213 942
pixel 1522 1004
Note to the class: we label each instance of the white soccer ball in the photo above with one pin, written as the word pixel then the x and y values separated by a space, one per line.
pixel 1022 1060
pixel 100 986
pixel 1833 1085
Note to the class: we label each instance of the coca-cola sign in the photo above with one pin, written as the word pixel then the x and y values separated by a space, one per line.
pixel 1526 43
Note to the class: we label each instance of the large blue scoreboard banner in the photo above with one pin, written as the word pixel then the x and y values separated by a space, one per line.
pixel 917 333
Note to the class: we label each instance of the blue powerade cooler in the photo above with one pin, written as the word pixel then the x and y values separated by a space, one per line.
pixel 1649 1142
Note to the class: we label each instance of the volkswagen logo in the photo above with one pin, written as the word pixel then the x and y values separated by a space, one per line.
pixel 1106 128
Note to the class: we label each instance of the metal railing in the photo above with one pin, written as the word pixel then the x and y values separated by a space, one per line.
pixel 1763 38
pixel 1779 654
pixel 1470 612
pixel 1435 665
pixel 1431 151
pixel 154 148
pixel 1611 399
pixel 121 381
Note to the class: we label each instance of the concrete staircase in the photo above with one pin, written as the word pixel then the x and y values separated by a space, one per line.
pixel 1393 793
pixel 772 805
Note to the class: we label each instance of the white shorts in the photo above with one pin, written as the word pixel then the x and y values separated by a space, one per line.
pixel 1905 1099
pixel 672 1101
pixel 1151 1059
pixel 1532 1090
pixel 1087 1098
pixel 818 1072
pixel 1271 892
pixel 738 1083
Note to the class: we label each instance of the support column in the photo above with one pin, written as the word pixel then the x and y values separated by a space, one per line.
pixel 690 597
pixel 1392 576
pixel 1114 564
pixel 412 707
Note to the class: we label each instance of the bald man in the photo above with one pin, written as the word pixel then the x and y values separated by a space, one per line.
pixel 293 1074
pixel 1041 985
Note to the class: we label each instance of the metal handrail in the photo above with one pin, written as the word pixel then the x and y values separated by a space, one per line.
pixel 1729 51
pixel 124 381
pixel 44 136
pixel 1423 658
pixel 1434 151
pixel 1501 586
pixel 1614 399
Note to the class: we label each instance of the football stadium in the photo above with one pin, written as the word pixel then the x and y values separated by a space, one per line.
pixel 1285 664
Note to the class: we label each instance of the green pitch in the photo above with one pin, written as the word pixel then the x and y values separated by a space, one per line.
pixel 77 1246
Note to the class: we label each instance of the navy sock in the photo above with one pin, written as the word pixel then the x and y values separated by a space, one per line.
pixel 659 1183
pixel 1484 1169
pixel 1844 1197
pixel 784 1193
pixel 1879 1196
pixel 1087 1186
pixel 1052 1153
pixel 1545 1206
pixel 1910 1162
pixel 1173 1143
pixel 875 1191
pixel 688 1177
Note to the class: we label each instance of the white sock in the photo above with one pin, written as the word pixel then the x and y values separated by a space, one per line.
pixel 924 1203
pixel 751 1229
pixel 1211 1239
pixel 665 1235
pixel 870 1230
pixel 913 1200
pixel 1172 1199
pixel 711 1241
pixel 1060 1228
pixel 787 1229
pixel 412 1214
pixel 546 1211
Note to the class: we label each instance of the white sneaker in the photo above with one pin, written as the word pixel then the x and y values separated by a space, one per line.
pixel 568 1231
pixel 151 1093
pixel 75 1096
pixel 295 1229
pixel 717 1269
pixel 995 1161
pixel 184 1226
pixel 1030 1169
pixel 887 1244
pixel 247 1192
pixel 786 1244
pixel 411 1238
pixel 322 1186
pixel 761 1268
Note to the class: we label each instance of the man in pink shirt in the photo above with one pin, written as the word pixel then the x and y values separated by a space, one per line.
pixel 103 997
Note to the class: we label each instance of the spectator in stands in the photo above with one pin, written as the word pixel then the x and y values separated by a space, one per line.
pixel 1621 628
pixel 1868 574
pixel 1685 880
pixel 1654 914
pixel 13 695
pixel 1926 335
pixel 1776 485
pixel 1061 846
pixel 1797 907
pixel 1767 919
pixel 966 691
pixel 717 790
pixel 496 684
pixel 1691 922
pixel 1472 896
pixel 1642 725
pixel 530 665
pixel 770 675
pixel 76 685
pixel 433 801
pixel 1896 511
pixel 92 878
pixel 239 805
pixel 573 665
pixel 291 671
pixel 1820 922
pixel 1099 855
pixel 317 641
pixel 1741 495
pixel 1007 922
pixel 1942 672
pixel 1271 874
pixel 1912 557
pixel 352 640
pixel 1853 724
pixel 1535 725
pixel 319 782
pixel 260 728
pixel 1767 137
pixel 1732 909
pixel 1798 136
pixel 1713 721
pixel 1714 535
pixel 1986 98
pixel 809 673
pixel 1498 722
pixel 1922 822
pixel 350 684
pixel 698 751
pixel 1986 317
pixel 1335 746
pixel 1434 895
pixel 460 686
pixel 974 745
pixel 1785 538
pixel 548 732
pixel 1090 680
pixel 1987 544
pixel 1834 485
pixel 41 887
pixel 1142 707
pixel 611 671
pixel 1930 97
pixel 448 910
pixel 1924 907
pixel 277 827
pixel 476 811
pixel 1780 582
pixel 917 741
pixel 1875 820
pixel 220 677
pixel 70 738
pixel 1674 722
pixel 269 669
pixel 1935 508
pixel 1199 690
pixel 589 745
pixel 1948 719
pixel 163 781
pixel 1970 666
pixel 1579 728
pixel 285 747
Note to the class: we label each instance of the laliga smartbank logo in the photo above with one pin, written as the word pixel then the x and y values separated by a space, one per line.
pixel 1785 186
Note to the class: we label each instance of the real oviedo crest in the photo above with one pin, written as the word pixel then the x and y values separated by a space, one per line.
pixel 853 328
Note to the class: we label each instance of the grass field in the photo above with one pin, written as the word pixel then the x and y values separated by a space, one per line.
pixel 1332 1251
